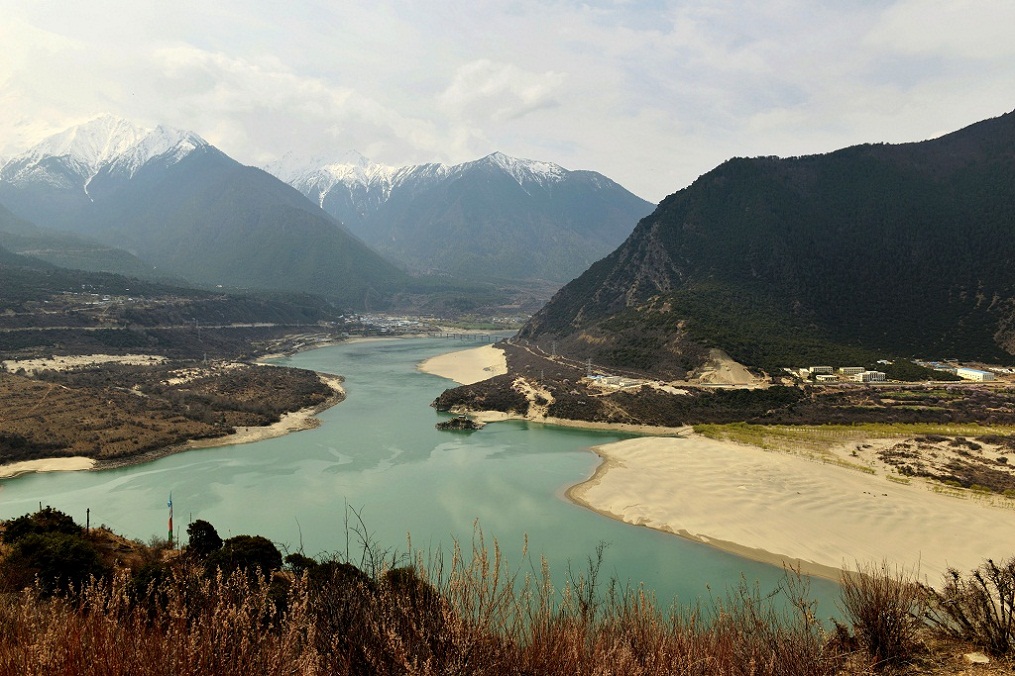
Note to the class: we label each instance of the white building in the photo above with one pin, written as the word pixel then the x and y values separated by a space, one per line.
pixel 825 378
pixel 974 374
pixel 826 370
pixel 868 377
pixel 851 370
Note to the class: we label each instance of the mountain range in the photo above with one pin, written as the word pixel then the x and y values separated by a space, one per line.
pixel 496 218
pixel 188 210
pixel 871 251
pixel 163 203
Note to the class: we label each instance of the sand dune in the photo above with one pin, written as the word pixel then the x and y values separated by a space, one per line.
pixel 466 367
pixel 778 508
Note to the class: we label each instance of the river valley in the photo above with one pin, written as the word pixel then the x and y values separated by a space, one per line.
pixel 377 454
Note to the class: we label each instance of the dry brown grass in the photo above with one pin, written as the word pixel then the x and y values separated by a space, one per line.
pixel 467 613
pixel 473 616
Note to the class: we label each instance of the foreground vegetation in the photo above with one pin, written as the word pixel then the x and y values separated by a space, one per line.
pixel 92 603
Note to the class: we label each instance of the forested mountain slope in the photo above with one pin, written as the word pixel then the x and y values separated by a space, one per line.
pixel 892 249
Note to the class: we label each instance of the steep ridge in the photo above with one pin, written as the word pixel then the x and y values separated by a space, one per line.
pixel 66 250
pixel 495 218
pixel 187 209
pixel 876 249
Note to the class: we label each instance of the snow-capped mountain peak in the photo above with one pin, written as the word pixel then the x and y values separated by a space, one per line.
pixel 105 142
pixel 523 170
pixel 91 144
pixel 317 178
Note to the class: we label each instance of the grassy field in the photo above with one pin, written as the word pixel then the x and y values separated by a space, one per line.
pixel 819 438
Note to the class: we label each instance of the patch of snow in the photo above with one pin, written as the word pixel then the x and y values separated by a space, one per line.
pixel 104 143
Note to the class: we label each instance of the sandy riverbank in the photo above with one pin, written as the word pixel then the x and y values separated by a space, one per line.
pixel 777 507
pixel 45 465
pixel 466 367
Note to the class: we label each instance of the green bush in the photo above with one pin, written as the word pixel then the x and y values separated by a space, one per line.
pixel 46 520
pixel 253 554
pixel 57 561
pixel 202 539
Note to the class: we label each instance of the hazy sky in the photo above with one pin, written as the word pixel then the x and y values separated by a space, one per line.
pixel 652 93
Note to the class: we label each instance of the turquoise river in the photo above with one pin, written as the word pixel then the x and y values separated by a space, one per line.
pixel 379 454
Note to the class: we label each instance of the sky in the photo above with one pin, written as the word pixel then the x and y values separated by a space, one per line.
pixel 652 94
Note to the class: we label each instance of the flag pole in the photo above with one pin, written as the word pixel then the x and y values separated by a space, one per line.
pixel 170 519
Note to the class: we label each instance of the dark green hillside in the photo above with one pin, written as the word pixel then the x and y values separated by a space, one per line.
pixel 215 221
pixel 207 219
pixel 876 249
pixel 481 223
pixel 65 250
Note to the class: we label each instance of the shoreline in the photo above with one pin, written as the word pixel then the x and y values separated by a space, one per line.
pixel 576 494
pixel 74 463
pixel 486 417
pixel 467 366
pixel 292 421
pixel 782 509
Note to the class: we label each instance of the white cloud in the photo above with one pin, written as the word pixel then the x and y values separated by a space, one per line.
pixel 484 90
pixel 977 30
pixel 651 93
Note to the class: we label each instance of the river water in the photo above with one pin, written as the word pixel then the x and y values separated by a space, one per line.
pixel 377 453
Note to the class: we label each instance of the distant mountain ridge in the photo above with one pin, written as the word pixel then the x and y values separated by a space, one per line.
pixel 876 249
pixel 497 217
pixel 182 205
pixel 66 250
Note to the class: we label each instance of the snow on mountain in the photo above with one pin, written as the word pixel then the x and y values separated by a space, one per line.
pixel 548 222
pixel 106 143
pixel 524 171
pixel 371 184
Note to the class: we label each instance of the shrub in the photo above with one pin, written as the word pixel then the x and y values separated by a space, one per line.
pixel 979 608
pixel 886 608
pixel 252 554
pixel 202 539
pixel 46 520
pixel 58 561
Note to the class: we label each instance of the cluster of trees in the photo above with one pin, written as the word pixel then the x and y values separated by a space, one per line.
pixel 49 549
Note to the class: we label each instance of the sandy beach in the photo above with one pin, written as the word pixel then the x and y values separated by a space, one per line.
pixel 466 367
pixel 45 465
pixel 783 508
